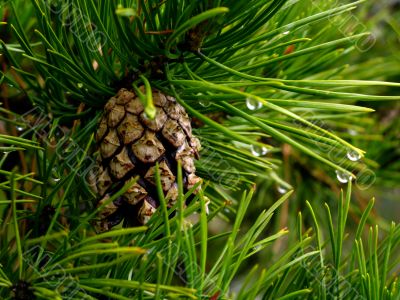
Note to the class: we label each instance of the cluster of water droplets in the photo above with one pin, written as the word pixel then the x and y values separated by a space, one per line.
pixel 80 86
pixel 344 177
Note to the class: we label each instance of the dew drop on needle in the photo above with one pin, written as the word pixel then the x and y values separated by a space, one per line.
pixel 342 176
pixel 253 104
pixel 258 151
pixel 353 155
pixel 281 189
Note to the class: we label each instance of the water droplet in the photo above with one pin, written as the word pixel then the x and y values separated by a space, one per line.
pixel 258 151
pixel 79 85
pixel 352 132
pixel 20 128
pixel 253 104
pixel 286 32
pixel 7 150
pixel 207 205
pixel 186 225
pixel 55 176
pixel 257 248
pixel 95 65
pixel 145 116
pixel 353 155
pixel 151 250
pixel 281 189
pixel 205 102
pixel 342 176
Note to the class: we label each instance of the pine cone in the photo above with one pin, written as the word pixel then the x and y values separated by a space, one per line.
pixel 130 144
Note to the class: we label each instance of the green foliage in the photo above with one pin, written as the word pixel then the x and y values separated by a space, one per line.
pixel 81 53
pixel 169 258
